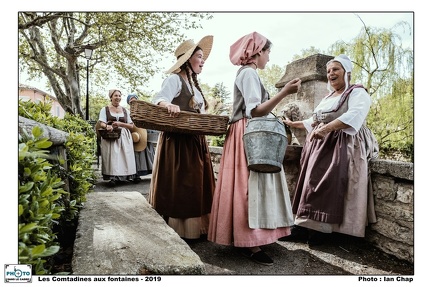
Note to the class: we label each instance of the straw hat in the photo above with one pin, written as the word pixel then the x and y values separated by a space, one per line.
pixel 139 137
pixel 185 50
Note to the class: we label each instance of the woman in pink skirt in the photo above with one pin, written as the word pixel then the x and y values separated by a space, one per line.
pixel 250 209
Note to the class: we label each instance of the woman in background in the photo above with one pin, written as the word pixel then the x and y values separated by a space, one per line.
pixel 144 151
pixel 118 162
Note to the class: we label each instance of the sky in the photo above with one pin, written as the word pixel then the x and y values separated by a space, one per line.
pixel 290 33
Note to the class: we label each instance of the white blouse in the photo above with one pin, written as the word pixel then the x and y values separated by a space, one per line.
pixel 248 82
pixel 103 117
pixel 359 103
pixel 171 88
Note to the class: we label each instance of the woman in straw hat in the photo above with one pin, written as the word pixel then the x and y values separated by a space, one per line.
pixel 183 181
pixel 250 209
pixel 144 151
pixel 118 162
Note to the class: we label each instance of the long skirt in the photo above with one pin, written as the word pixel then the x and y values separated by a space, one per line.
pixel 144 160
pixel 334 191
pixel 183 182
pixel 118 159
pixel 244 201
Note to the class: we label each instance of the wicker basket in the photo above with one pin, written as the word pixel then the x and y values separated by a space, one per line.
pixel 111 136
pixel 150 116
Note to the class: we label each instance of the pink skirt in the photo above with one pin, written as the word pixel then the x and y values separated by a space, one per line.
pixel 229 214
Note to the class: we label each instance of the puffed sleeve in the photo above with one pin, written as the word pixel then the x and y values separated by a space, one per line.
pixel 170 89
pixel 128 117
pixel 359 103
pixel 102 115
pixel 308 124
pixel 248 83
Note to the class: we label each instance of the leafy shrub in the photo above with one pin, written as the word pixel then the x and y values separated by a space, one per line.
pixel 39 190
pixel 76 177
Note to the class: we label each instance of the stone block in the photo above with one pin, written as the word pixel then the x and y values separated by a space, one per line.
pixel 394 248
pixel 312 68
pixel 120 233
pixel 383 187
pixel 395 211
pixel 394 231
pixel 405 193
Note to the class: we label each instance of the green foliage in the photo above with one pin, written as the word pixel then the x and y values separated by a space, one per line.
pixel 270 76
pixel 128 48
pixel 392 119
pixel 219 104
pixel 385 68
pixel 39 192
pixel 217 98
pixel 77 177
pixel 96 103
pixel 217 140
pixel 38 112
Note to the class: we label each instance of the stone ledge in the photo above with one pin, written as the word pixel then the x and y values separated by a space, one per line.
pixel 398 169
pixel 120 233
pixel 312 68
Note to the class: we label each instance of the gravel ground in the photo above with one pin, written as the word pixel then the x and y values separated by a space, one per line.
pixel 340 255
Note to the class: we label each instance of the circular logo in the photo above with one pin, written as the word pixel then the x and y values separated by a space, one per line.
pixel 18 273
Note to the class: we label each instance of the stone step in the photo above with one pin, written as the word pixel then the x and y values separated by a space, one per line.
pixel 120 233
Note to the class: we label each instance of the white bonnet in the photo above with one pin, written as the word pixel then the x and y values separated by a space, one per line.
pixel 346 64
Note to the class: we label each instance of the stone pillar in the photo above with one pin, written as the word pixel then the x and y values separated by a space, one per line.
pixel 299 106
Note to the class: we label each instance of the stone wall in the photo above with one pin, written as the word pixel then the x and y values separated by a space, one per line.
pixel 393 189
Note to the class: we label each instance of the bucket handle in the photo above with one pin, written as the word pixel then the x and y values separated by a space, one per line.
pixel 280 118
pixel 287 128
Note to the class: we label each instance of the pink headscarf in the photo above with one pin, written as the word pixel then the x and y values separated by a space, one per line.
pixel 243 49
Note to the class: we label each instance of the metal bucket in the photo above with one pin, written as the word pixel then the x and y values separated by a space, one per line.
pixel 265 142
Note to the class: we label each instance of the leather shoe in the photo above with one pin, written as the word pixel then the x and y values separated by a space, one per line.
pixel 259 257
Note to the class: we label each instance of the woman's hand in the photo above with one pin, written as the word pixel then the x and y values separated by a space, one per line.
pixel 323 129
pixel 320 132
pixel 287 122
pixel 297 124
pixel 117 125
pixel 109 127
pixel 173 110
pixel 292 86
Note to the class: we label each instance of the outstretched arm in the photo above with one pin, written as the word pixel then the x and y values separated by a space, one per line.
pixel 268 106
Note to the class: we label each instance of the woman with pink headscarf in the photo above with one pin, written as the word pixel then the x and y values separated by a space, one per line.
pixel 250 209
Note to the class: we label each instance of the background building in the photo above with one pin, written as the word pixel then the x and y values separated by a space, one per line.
pixel 28 93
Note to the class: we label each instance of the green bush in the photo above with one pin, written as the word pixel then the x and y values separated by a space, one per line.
pixel 217 140
pixel 39 190
pixel 75 181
